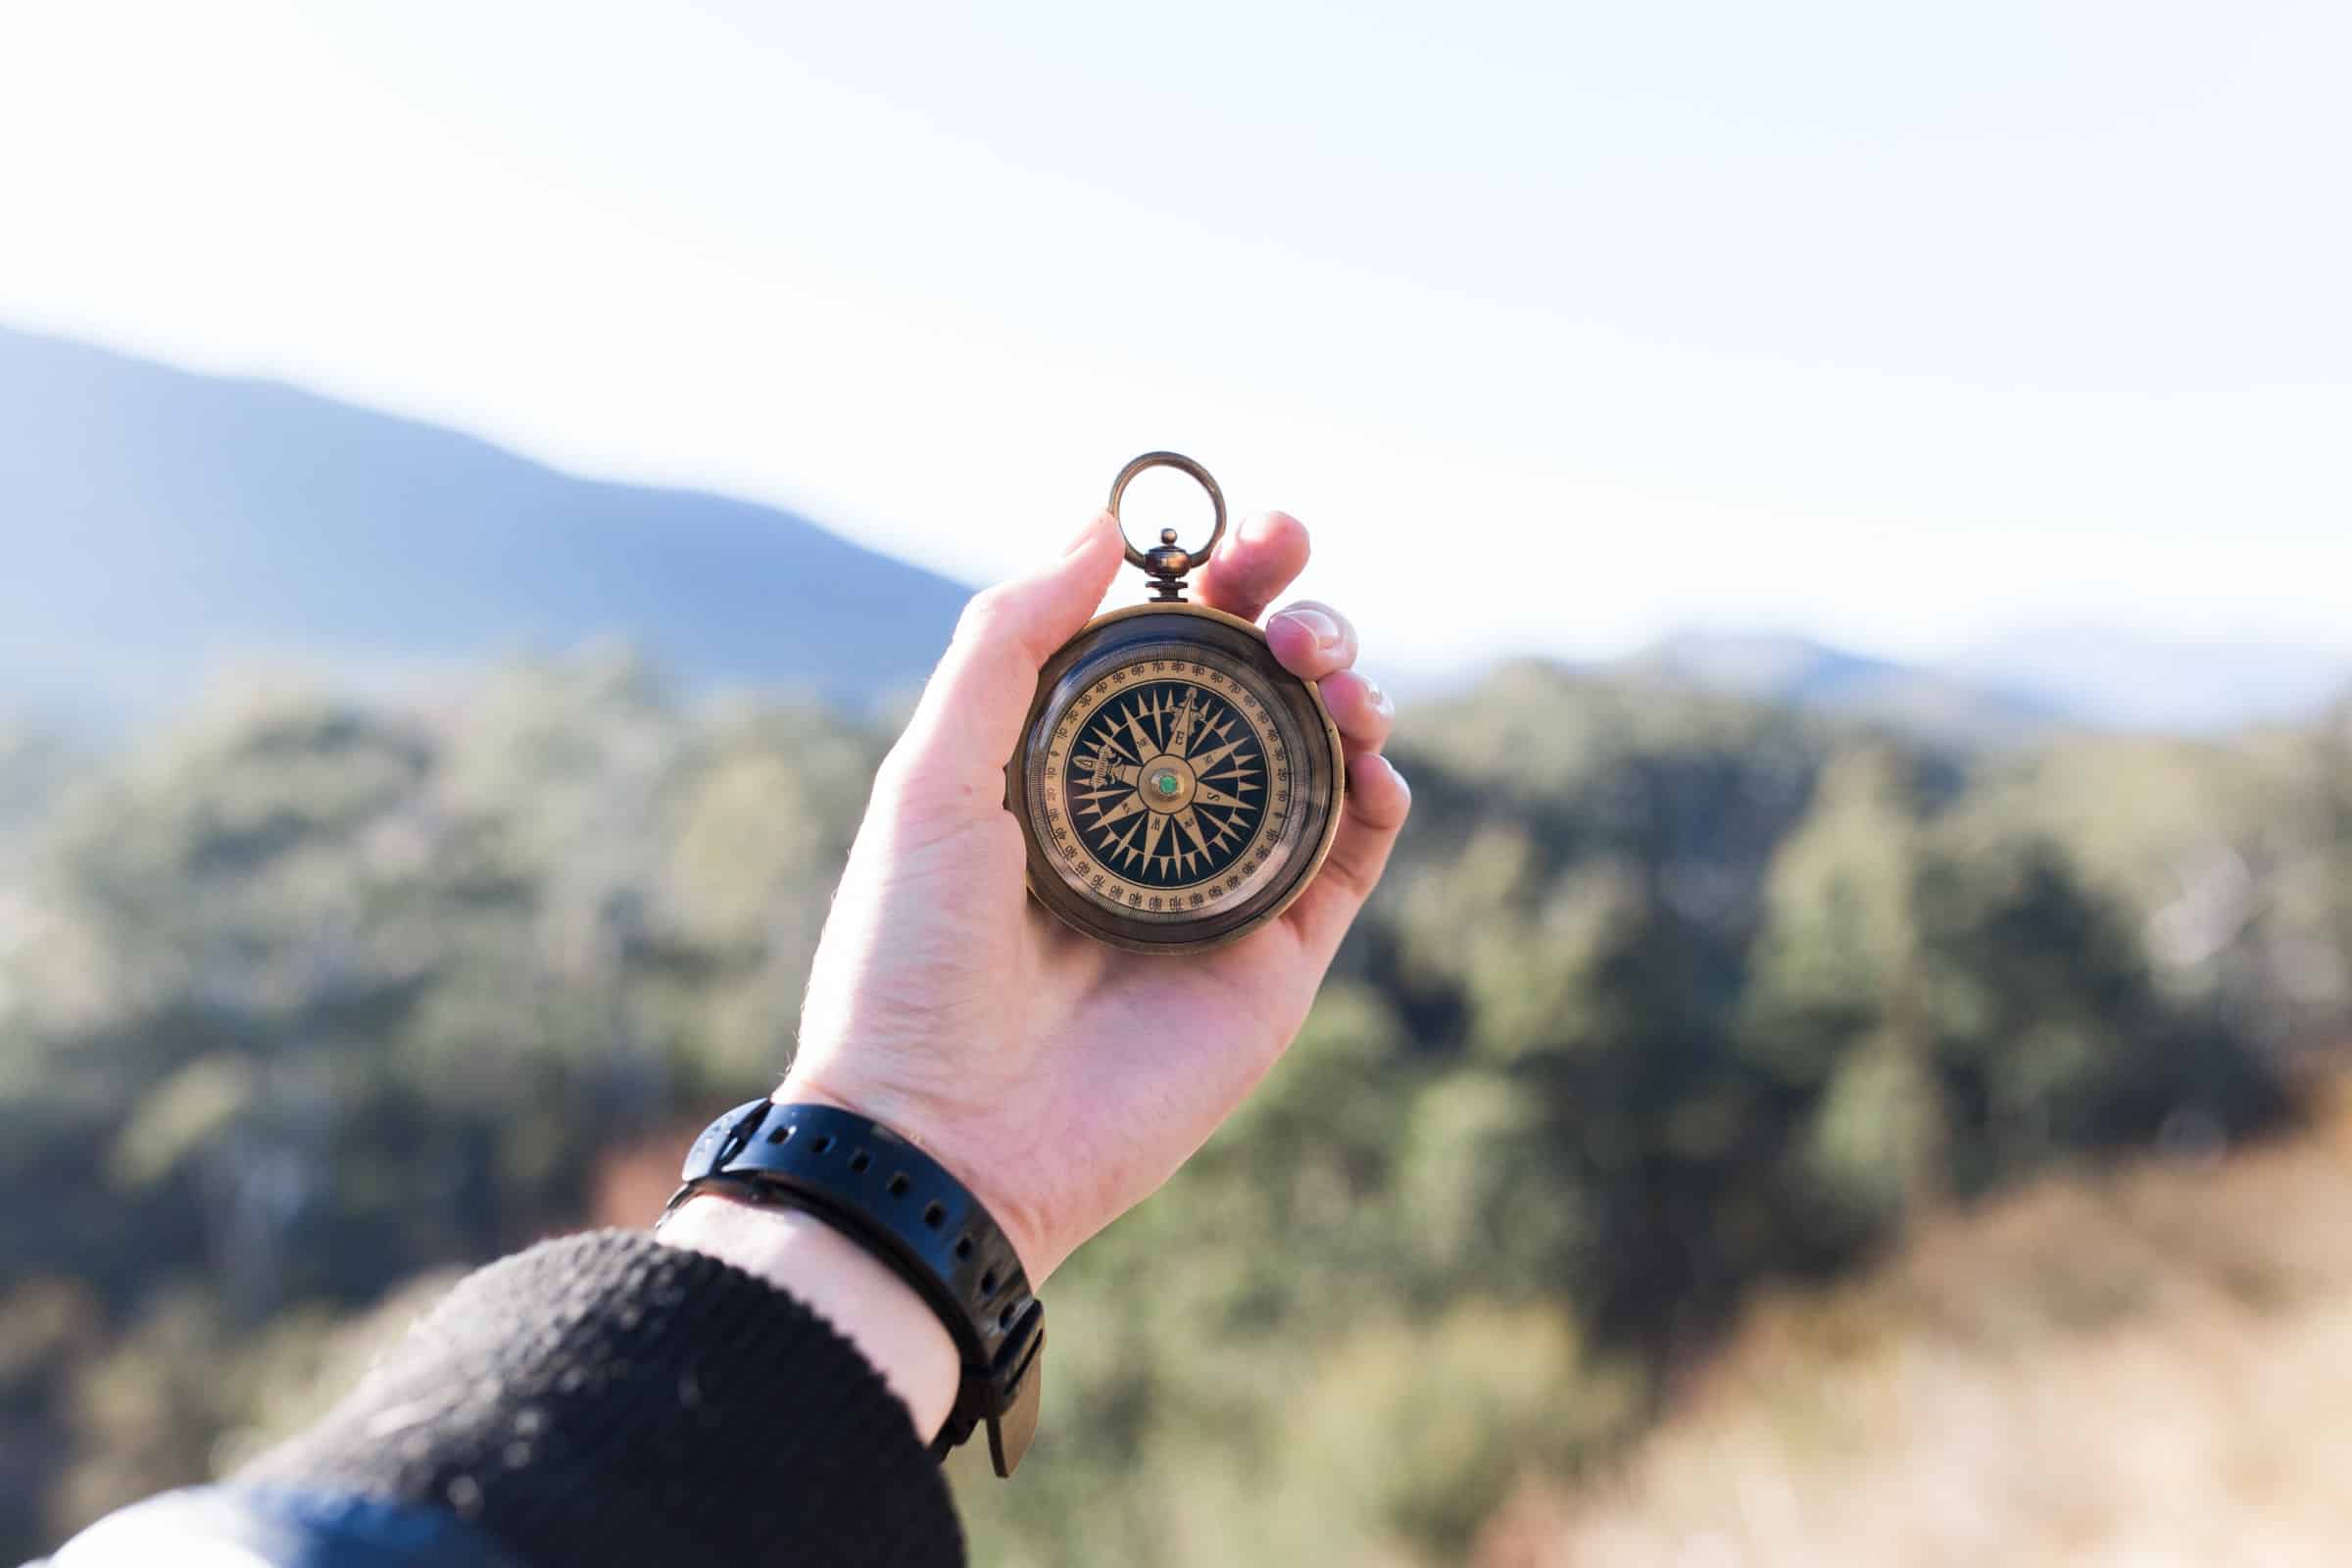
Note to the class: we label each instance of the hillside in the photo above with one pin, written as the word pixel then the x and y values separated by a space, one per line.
pixel 195 519
pixel 2148 1365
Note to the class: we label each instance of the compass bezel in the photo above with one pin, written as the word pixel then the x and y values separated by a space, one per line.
pixel 1112 639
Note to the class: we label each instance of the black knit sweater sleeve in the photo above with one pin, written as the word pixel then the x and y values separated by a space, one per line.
pixel 604 1399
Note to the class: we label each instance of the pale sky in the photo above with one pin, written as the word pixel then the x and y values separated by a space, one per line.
pixel 1560 325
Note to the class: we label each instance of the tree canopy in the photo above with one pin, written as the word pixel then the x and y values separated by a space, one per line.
pixel 1667 995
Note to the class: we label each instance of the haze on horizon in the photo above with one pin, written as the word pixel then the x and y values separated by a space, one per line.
pixel 1563 326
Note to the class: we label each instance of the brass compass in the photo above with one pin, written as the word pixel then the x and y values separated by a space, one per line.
pixel 1177 786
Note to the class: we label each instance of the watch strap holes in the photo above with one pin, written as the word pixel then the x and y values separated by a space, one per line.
pixel 780 1134
pixel 822 1145
pixel 898 1185
pixel 859 1160
pixel 963 1246
pixel 933 1214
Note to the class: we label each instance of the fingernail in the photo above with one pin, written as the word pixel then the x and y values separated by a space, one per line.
pixel 1372 692
pixel 1085 535
pixel 1321 628
pixel 1257 526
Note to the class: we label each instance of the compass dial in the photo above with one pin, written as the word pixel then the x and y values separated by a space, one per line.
pixel 1176 784
pixel 1165 785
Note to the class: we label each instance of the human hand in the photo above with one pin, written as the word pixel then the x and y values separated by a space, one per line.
pixel 1061 1079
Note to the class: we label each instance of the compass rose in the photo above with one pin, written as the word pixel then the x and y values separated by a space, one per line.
pixel 1167 783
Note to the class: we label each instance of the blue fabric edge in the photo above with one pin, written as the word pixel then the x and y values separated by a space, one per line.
pixel 284 1527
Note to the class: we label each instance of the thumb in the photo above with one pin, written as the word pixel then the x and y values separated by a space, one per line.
pixel 965 729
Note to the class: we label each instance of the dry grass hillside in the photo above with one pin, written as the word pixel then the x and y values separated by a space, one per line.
pixel 2151 1365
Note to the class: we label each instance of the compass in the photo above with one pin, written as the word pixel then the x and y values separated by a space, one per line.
pixel 1177 787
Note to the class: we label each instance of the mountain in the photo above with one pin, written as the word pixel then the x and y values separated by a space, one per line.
pixel 155 525
pixel 1797 670
pixel 2015 688
pixel 2134 681
pixel 154 522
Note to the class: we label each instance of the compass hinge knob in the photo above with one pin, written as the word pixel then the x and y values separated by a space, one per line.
pixel 1168 561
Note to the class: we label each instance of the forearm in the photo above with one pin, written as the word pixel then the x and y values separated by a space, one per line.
pixel 610 1400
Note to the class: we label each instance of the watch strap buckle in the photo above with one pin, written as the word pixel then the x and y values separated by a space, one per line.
pixel 1006 1396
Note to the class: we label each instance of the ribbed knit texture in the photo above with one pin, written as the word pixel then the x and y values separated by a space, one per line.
pixel 604 1399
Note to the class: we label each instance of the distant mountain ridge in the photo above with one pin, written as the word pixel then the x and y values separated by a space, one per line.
pixel 2134 681
pixel 157 521
pixel 1801 672
pixel 2014 689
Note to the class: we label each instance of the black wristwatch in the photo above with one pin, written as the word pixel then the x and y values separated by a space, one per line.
pixel 902 1206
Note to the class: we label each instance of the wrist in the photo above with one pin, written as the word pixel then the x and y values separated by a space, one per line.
pixel 922 1128
pixel 868 1305
pixel 911 1215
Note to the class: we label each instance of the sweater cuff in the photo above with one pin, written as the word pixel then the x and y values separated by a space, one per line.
pixel 605 1398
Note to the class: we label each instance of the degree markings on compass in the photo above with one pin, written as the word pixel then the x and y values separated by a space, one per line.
pixel 1122 723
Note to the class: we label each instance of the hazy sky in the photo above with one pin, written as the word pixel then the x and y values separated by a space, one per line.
pixel 1561 324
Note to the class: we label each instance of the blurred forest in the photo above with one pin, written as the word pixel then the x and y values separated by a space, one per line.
pixel 1669 1001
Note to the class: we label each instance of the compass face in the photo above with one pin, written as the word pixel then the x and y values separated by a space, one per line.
pixel 1177 785
pixel 1166 784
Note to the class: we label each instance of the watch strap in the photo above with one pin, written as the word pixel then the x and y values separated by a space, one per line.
pixel 903 1207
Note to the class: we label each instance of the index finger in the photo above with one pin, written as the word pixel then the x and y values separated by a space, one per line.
pixel 1253 566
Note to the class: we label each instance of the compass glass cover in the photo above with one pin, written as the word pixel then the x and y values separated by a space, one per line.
pixel 1177 783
